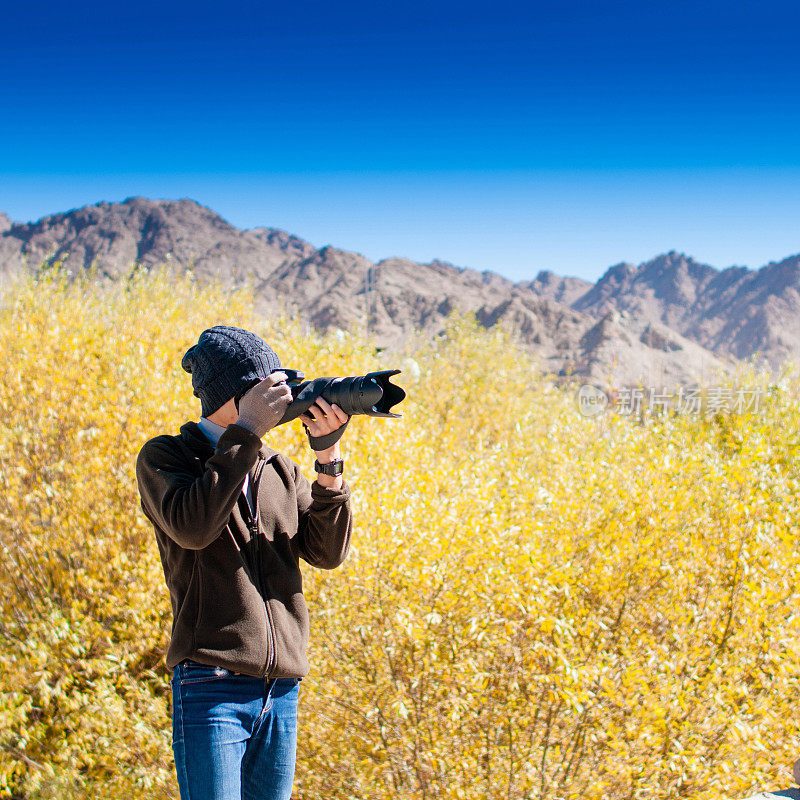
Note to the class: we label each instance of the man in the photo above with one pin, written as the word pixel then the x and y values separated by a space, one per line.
pixel 232 518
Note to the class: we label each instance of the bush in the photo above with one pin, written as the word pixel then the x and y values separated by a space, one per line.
pixel 535 605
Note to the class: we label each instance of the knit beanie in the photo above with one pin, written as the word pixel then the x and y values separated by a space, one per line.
pixel 224 361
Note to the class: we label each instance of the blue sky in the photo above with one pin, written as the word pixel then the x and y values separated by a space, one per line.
pixel 504 136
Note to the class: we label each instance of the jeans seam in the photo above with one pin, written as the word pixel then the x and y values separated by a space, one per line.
pixel 270 701
pixel 219 673
pixel 182 744
pixel 208 679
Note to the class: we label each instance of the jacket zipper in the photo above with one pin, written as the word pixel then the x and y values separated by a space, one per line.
pixel 253 524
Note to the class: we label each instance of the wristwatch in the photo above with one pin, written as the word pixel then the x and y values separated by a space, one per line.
pixel 335 467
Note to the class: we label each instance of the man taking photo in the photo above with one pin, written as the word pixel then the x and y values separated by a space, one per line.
pixel 232 517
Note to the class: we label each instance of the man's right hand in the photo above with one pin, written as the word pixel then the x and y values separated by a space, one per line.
pixel 263 406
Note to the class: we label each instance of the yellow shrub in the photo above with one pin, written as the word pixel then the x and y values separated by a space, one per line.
pixel 535 605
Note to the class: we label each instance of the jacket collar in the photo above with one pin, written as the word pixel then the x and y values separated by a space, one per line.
pixel 194 437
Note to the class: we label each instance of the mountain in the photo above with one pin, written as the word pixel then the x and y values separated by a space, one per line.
pixel 562 290
pixel 669 320
pixel 666 288
pixel 117 235
pixel 735 313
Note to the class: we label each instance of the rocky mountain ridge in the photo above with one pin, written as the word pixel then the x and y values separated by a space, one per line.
pixel 666 321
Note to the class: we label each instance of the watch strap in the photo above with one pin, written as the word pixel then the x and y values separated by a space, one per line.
pixel 335 467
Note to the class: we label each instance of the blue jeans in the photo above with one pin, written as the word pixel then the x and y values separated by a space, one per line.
pixel 234 736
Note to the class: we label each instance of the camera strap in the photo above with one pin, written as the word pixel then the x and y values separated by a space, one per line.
pixel 328 440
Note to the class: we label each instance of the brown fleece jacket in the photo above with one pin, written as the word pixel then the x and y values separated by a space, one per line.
pixel 234 581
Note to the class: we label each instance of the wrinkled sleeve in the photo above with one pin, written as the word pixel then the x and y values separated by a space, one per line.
pixel 193 510
pixel 325 521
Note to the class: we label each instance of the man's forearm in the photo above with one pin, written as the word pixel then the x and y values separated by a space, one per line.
pixel 193 510
pixel 325 457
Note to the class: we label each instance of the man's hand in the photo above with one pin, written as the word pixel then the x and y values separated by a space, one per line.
pixel 322 418
pixel 263 406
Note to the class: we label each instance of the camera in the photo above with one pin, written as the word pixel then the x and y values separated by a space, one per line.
pixel 372 394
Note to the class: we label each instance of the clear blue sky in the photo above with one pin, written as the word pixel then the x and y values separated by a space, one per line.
pixel 504 136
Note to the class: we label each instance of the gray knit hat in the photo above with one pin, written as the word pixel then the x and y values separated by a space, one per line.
pixel 224 361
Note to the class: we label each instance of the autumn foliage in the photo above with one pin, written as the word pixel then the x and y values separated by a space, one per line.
pixel 536 604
